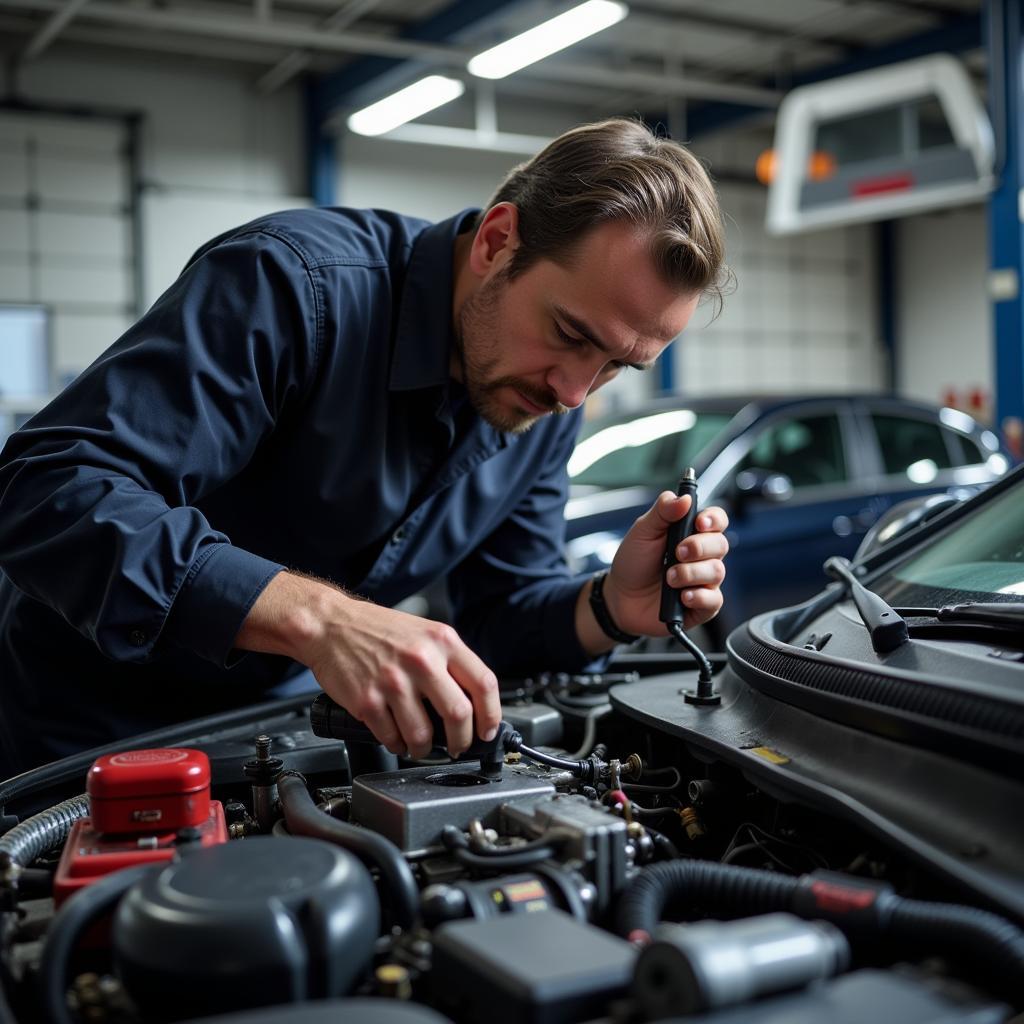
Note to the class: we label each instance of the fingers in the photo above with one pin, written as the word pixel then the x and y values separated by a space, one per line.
pixel 700 546
pixel 481 685
pixel 710 519
pixel 406 707
pixel 707 573
pixel 701 604
pixel 376 716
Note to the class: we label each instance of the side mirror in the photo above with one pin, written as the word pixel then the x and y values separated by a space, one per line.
pixel 775 488
pixel 901 519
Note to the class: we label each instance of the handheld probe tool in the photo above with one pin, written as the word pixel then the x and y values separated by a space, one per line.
pixel 672 611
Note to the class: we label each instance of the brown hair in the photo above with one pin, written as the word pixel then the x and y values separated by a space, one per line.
pixel 618 170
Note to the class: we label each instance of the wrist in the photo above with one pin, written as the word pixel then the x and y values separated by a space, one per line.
pixel 603 604
pixel 290 616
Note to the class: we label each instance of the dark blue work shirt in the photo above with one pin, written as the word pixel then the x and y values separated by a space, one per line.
pixel 286 403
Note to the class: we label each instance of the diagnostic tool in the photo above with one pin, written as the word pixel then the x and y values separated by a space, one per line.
pixel 672 611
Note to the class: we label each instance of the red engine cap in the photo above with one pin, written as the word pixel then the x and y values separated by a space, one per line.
pixel 156 772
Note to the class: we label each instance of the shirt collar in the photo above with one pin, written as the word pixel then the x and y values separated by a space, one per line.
pixel 424 338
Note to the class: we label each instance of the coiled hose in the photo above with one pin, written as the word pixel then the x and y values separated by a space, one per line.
pixel 992 946
pixel 34 836
pixel 304 818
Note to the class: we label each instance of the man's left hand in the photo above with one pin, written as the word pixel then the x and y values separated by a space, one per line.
pixel 633 588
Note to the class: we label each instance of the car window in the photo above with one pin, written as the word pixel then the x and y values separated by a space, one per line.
pixel 973 453
pixel 912 447
pixel 808 450
pixel 648 451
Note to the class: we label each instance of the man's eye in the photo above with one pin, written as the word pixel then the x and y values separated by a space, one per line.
pixel 567 338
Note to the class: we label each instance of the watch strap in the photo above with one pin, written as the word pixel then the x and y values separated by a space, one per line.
pixel 603 615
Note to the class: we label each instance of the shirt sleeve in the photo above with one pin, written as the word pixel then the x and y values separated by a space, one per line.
pixel 97 491
pixel 514 599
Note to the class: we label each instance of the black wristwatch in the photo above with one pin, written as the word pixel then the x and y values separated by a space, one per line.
pixel 603 616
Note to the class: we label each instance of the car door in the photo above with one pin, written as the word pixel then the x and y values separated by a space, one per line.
pixel 918 454
pixel 813 505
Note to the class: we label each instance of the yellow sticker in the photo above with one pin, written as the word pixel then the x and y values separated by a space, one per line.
pixel 770 755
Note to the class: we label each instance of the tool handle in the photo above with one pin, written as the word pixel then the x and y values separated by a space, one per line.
pixel 671 607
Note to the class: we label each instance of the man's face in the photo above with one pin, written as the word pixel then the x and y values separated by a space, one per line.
pixel 543 341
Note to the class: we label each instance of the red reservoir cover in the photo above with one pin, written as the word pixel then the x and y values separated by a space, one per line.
pixel 149 790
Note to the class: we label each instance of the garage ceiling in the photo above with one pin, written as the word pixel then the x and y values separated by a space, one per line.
pixel 731 52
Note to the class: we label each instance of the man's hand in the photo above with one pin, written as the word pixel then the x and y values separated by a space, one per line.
pixel 377 663
pixel 633 588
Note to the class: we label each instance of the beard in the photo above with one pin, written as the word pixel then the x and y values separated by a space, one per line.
pixel 477 344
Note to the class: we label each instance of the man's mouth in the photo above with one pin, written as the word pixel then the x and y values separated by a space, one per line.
pixel 531 406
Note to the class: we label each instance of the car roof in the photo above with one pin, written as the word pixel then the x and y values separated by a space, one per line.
pixel 759 404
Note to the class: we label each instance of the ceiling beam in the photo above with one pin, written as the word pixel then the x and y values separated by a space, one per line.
pixel 49 31
pixel 753 26
pixel 298 60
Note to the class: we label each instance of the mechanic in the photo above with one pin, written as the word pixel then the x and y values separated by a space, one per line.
pixel 328 410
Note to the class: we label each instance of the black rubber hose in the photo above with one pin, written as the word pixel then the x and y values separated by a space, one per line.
pixel 506 862
pixel 32 837
pixel 514 859
pixel 721 887
pixel 70 922
pixel 962 935
pixel 304 818
pixel 991 945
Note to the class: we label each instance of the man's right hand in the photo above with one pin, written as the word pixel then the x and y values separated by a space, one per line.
pixel 379 664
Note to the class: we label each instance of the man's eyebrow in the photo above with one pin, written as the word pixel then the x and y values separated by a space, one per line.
pixel 585 332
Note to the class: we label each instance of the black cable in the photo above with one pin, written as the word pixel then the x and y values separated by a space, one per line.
pixel 304 818
pixel 70 922
pixel 704 669
pixel 588 771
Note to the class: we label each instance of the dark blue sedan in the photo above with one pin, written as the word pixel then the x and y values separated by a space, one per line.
pixel 801 479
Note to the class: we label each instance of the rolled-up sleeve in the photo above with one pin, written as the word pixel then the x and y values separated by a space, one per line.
pixel 98 491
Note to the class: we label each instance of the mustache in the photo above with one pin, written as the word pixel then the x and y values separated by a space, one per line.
pixel 543 397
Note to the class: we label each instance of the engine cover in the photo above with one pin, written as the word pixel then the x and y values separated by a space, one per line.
pixel 250 923
pixel 412 806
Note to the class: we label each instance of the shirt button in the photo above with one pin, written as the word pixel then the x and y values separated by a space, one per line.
pixel 399 535
pixel 138 638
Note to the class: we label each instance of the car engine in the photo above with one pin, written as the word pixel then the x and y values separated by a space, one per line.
pixel 601 860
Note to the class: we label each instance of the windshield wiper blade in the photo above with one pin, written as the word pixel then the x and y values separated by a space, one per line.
pixel 887 628
pixel 1009 613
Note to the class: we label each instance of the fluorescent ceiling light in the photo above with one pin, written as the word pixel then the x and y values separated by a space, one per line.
pixel 547 38
pixel 408 103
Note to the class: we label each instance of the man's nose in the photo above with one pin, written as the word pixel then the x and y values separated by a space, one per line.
pixel 571 384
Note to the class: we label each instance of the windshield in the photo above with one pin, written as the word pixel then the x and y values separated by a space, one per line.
pixel 981 559
pixel 649 451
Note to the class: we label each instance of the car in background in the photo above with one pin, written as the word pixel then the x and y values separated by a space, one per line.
pixel 801 479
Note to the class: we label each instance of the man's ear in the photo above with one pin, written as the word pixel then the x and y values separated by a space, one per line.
pixel 496 239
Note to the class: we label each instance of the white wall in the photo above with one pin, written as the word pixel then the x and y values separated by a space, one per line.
pixel 944 316
pixel 804 314
pixel 214 154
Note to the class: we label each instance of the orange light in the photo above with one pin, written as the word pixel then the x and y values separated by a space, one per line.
pixel 764 169
pixel 820 166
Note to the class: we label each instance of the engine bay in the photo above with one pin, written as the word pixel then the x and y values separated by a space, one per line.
pixel 618 854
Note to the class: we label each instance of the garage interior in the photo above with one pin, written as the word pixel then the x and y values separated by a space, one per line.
pixel 134 131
